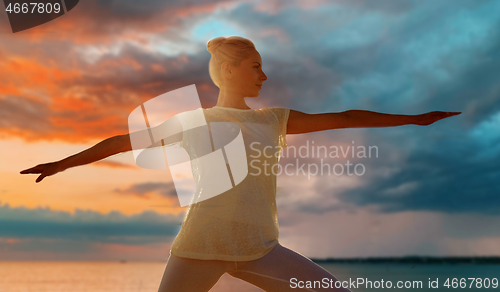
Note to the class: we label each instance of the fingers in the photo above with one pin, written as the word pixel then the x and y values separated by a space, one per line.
pixel 450 114
pixel 31 170
pixel 42 169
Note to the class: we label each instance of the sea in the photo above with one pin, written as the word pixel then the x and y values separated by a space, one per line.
pixel 146 276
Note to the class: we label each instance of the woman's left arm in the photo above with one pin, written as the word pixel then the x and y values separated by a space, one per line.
pixel 299 122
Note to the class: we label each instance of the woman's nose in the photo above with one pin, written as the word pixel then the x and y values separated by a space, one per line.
pixel 263 77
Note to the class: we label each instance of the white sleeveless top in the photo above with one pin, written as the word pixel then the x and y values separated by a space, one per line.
pixel 240 224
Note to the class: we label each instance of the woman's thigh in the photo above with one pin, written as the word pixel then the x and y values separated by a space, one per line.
pixel 275 271
pixel 191 275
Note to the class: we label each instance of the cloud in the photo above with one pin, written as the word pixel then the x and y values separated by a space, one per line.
pixel 89 226
pixel 451 175
pixel 144 189
pixel 86 79
pixel 93 107
pixel 21 115
pixel 433 168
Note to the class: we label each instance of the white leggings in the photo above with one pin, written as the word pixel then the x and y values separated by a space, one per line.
pixel 271 273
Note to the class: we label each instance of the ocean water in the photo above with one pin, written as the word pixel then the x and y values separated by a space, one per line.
pixel 418 277
pixel 146 276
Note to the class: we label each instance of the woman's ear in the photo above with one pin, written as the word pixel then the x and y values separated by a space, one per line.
pixel 226 70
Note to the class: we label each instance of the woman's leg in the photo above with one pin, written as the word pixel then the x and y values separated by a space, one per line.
pixel 274 272
pixel 190 275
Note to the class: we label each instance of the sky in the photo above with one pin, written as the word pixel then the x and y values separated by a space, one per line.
pixel 429 190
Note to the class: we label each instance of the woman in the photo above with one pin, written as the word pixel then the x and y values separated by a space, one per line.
pixel 237 231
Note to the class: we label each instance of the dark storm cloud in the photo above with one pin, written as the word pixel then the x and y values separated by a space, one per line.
pixel 437 171
pixel 447 178
pixel 447 173
pixel 475 89
pixel 384 6
pixel 87 225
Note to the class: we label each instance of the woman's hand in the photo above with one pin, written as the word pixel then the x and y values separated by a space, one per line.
pixel 46 169
pixel 431 117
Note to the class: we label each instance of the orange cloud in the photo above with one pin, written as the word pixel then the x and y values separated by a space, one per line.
pixel 20 75
pixel 49 97
pixel 105 126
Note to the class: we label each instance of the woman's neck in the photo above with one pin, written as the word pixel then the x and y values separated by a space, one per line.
pixel 231 99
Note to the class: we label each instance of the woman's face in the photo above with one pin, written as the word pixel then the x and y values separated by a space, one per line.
pixel 248 77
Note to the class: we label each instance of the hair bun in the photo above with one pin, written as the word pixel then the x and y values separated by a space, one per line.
pixel 213 44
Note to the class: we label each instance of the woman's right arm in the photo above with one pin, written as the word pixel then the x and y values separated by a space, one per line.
pixel 170 131
pixel 101 150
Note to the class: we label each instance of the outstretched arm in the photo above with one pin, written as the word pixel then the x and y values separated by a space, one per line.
pixel 299 122
pixel 170 131
pixel 101 150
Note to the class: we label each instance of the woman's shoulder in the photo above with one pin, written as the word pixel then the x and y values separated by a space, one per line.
pixel 278 112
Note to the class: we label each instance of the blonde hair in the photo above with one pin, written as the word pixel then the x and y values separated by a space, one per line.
pixel 233 49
